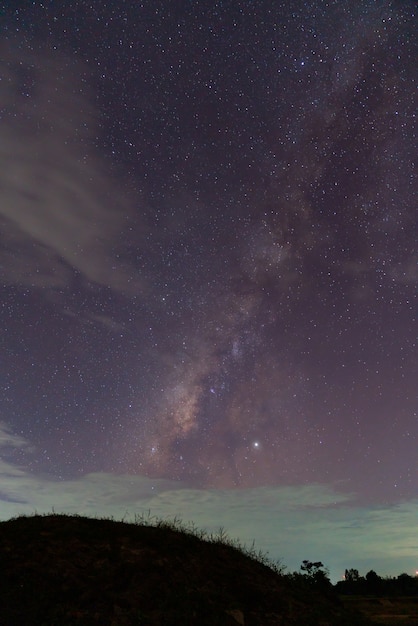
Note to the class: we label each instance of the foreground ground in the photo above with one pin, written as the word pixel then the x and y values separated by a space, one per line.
pixel 386 611
pixel 69 570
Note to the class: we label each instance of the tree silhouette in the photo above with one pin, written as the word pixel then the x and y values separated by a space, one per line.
pixel 316 573
pixel 351 575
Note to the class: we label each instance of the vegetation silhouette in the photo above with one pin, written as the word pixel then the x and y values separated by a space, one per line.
pixel 373 584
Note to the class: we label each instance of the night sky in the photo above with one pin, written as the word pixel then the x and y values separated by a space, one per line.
pixel 208 260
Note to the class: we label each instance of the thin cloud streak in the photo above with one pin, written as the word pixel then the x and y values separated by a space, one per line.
pixel 61 213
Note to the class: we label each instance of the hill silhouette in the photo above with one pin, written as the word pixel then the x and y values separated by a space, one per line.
pixel 70 570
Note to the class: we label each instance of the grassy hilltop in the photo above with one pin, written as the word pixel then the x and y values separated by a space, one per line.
pixel 59 570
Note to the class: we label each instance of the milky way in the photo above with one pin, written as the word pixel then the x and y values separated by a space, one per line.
pixel 208 242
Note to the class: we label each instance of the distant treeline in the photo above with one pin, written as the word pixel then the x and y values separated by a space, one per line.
pixel 316 575
pixel 373 584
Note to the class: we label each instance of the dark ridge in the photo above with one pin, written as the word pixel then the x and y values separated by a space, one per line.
pixel 59 570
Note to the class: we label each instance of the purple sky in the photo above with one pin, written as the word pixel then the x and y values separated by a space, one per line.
pixel 208 258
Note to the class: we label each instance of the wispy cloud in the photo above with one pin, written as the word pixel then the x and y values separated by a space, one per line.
pixel 61 212
pixel 8 439
pixel 290 523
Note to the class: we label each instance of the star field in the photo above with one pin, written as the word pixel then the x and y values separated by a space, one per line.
pixel 208 242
